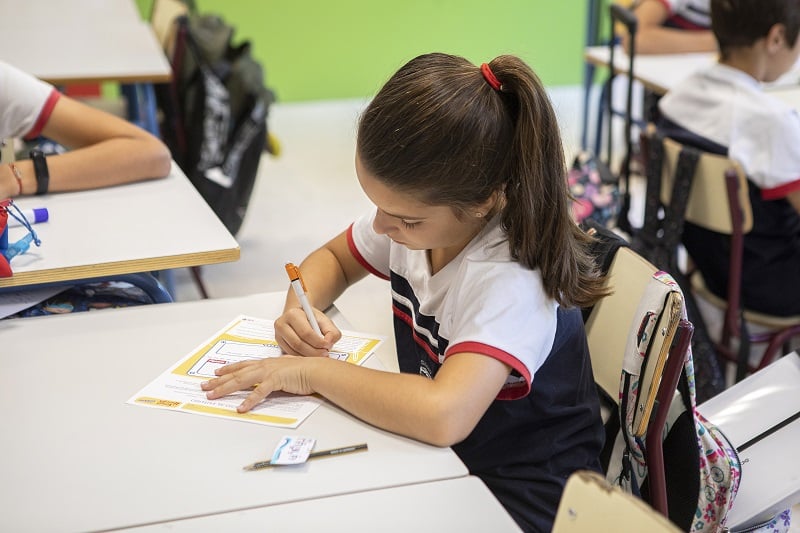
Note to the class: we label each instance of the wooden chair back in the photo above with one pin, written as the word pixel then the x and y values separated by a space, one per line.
pixel 589 504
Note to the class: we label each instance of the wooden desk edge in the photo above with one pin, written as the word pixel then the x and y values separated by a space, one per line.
pixel 28 280
pixel 658 89
pixel 132 78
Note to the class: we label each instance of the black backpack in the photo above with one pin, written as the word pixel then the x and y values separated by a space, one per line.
pixel 215 114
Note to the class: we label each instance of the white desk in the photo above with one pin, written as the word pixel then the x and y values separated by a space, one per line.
pixel 76 457
pixel 789 94
pixel 660 72
pixel 75 12
pixel 89 41
pixel 657 72
pixel 140 227
pixel 463 504
pixel 770 475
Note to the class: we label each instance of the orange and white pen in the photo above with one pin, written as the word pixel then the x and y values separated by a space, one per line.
pixel 300 290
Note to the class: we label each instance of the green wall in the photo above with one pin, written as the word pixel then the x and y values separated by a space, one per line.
pixel 316 50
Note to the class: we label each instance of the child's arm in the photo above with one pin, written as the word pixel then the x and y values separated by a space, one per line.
pixel 442 411
pixel 327 272
pixel 653 38
pixel 104 150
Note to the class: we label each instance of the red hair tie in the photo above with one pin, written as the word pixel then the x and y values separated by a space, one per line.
pixel 491 79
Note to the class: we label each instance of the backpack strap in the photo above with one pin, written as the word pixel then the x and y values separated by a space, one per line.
pixel 675 214
pixel 660 235
pixel 652 200
pixel 604 245
pixel 603 248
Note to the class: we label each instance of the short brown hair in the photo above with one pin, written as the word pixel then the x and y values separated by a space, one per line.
pixel 740 23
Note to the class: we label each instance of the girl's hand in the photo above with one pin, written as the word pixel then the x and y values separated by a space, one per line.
pixel 286 373
pixel 296 336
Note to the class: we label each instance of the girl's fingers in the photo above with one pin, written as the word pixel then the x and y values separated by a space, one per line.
pixel 296 336
pixel 292 343
pixel 286 373
pixel 233 381
pixel 254 398
pixel 331 333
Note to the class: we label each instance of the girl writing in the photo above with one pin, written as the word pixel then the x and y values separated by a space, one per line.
pixel 472 228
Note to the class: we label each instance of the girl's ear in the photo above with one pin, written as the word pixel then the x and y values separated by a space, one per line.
pixel 491 205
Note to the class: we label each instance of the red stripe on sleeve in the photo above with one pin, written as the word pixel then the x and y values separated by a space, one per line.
pixel 782 191
pixel 44 115
pixel 509 391
pixel 354 250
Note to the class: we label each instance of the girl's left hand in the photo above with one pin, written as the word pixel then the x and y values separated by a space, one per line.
pixel 286 373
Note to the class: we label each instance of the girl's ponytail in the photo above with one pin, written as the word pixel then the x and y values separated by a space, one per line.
pixel 537 216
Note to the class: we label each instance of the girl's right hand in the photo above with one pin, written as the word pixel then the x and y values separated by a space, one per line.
pixel 296 336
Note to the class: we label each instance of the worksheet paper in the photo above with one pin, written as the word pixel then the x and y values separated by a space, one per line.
pixel 243 339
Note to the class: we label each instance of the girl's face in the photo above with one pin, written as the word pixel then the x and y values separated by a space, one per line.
pixel 414 224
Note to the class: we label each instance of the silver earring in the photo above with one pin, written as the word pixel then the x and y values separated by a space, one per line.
pixel 479 214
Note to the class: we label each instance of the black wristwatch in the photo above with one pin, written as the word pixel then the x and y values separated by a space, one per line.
pixel 40 168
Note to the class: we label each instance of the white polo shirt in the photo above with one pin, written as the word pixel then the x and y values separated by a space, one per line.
pixel 727 106
pixel 688 14
pixel 25 103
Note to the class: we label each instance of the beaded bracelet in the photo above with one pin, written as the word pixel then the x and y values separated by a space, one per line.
pixel 18 176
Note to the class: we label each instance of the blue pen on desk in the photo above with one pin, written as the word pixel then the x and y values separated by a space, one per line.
pixel 300 290
pixel 34 216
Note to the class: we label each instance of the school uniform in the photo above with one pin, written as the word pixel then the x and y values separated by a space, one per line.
pixel 25 103
pixel 688 14
pixel 727 112
pixel 545 422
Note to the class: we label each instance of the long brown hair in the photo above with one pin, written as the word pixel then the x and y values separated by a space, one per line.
pixel 438 130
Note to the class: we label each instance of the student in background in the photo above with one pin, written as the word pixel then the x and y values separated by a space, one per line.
pixel 672 27
pixel 472 227
pixel 723 109
pixel 102 149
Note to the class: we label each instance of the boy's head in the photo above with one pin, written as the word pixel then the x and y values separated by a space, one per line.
pixel 740 23
pixel 759 37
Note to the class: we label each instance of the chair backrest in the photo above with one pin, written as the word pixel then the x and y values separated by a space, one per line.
pixel 616 320
pixel 708 204
pixel 718 200
pixel 590 504
pixel 7 151
pixel 609 325
pixel 639 341
pixel 163 19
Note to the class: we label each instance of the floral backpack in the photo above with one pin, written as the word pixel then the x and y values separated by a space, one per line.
pixel 702 467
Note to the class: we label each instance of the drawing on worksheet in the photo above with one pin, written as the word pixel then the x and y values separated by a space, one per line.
pixel 226 352
pixel 243 339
